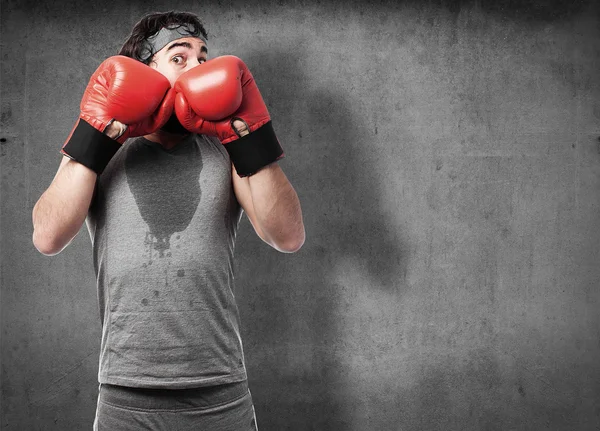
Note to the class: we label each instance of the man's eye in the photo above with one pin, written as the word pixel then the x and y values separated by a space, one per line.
pixel 201 60
pixel 177 59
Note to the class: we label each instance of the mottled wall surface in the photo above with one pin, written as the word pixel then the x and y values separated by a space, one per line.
pixel 447 159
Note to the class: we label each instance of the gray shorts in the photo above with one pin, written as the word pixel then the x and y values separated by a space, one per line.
pixel 216 408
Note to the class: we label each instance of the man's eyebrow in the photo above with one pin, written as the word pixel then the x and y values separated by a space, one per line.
pixel 188 46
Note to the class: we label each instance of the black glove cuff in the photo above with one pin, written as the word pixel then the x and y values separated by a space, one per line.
pixel 90 147
pixel 254 151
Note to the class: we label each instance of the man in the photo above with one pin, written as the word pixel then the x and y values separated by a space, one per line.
pixel 162 210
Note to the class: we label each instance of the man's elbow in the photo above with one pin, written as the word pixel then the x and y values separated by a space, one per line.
pixel 292 244
pixel 46 245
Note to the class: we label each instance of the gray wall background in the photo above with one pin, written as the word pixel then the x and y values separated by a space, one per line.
pixel 446 155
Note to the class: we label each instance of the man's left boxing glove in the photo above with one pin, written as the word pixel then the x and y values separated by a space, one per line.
pixel 121 89
pixel 212 96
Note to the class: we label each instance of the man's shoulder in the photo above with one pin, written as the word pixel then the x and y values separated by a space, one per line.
pixel 212 140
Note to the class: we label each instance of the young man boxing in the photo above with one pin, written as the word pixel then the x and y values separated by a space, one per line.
pixel 169 149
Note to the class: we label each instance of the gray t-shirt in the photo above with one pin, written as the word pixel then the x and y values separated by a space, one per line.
pixel 163 225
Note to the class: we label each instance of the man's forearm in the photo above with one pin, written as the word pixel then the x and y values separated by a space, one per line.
pixel 61 210
pixel 277 208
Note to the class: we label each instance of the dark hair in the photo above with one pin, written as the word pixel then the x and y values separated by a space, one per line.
pixel 151 24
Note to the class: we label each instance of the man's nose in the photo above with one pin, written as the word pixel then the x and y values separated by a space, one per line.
pixel 191 63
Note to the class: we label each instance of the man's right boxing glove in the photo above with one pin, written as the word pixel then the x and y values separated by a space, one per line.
pixel 221 91
pixel 121 89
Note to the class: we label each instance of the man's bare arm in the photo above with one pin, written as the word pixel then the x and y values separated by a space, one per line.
pixel 61 210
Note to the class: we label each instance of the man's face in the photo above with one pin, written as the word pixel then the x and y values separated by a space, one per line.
pixel 179 56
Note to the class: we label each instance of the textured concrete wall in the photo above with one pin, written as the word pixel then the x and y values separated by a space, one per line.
pixel 447 160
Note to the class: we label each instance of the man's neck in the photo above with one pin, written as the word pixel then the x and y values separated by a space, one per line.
pixel 166 139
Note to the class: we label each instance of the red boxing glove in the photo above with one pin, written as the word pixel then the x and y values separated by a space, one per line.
pixel 121 89
pixel 212 95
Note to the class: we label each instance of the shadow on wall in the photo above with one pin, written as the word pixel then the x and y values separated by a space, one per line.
pixel 296 318
pixel 305 336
